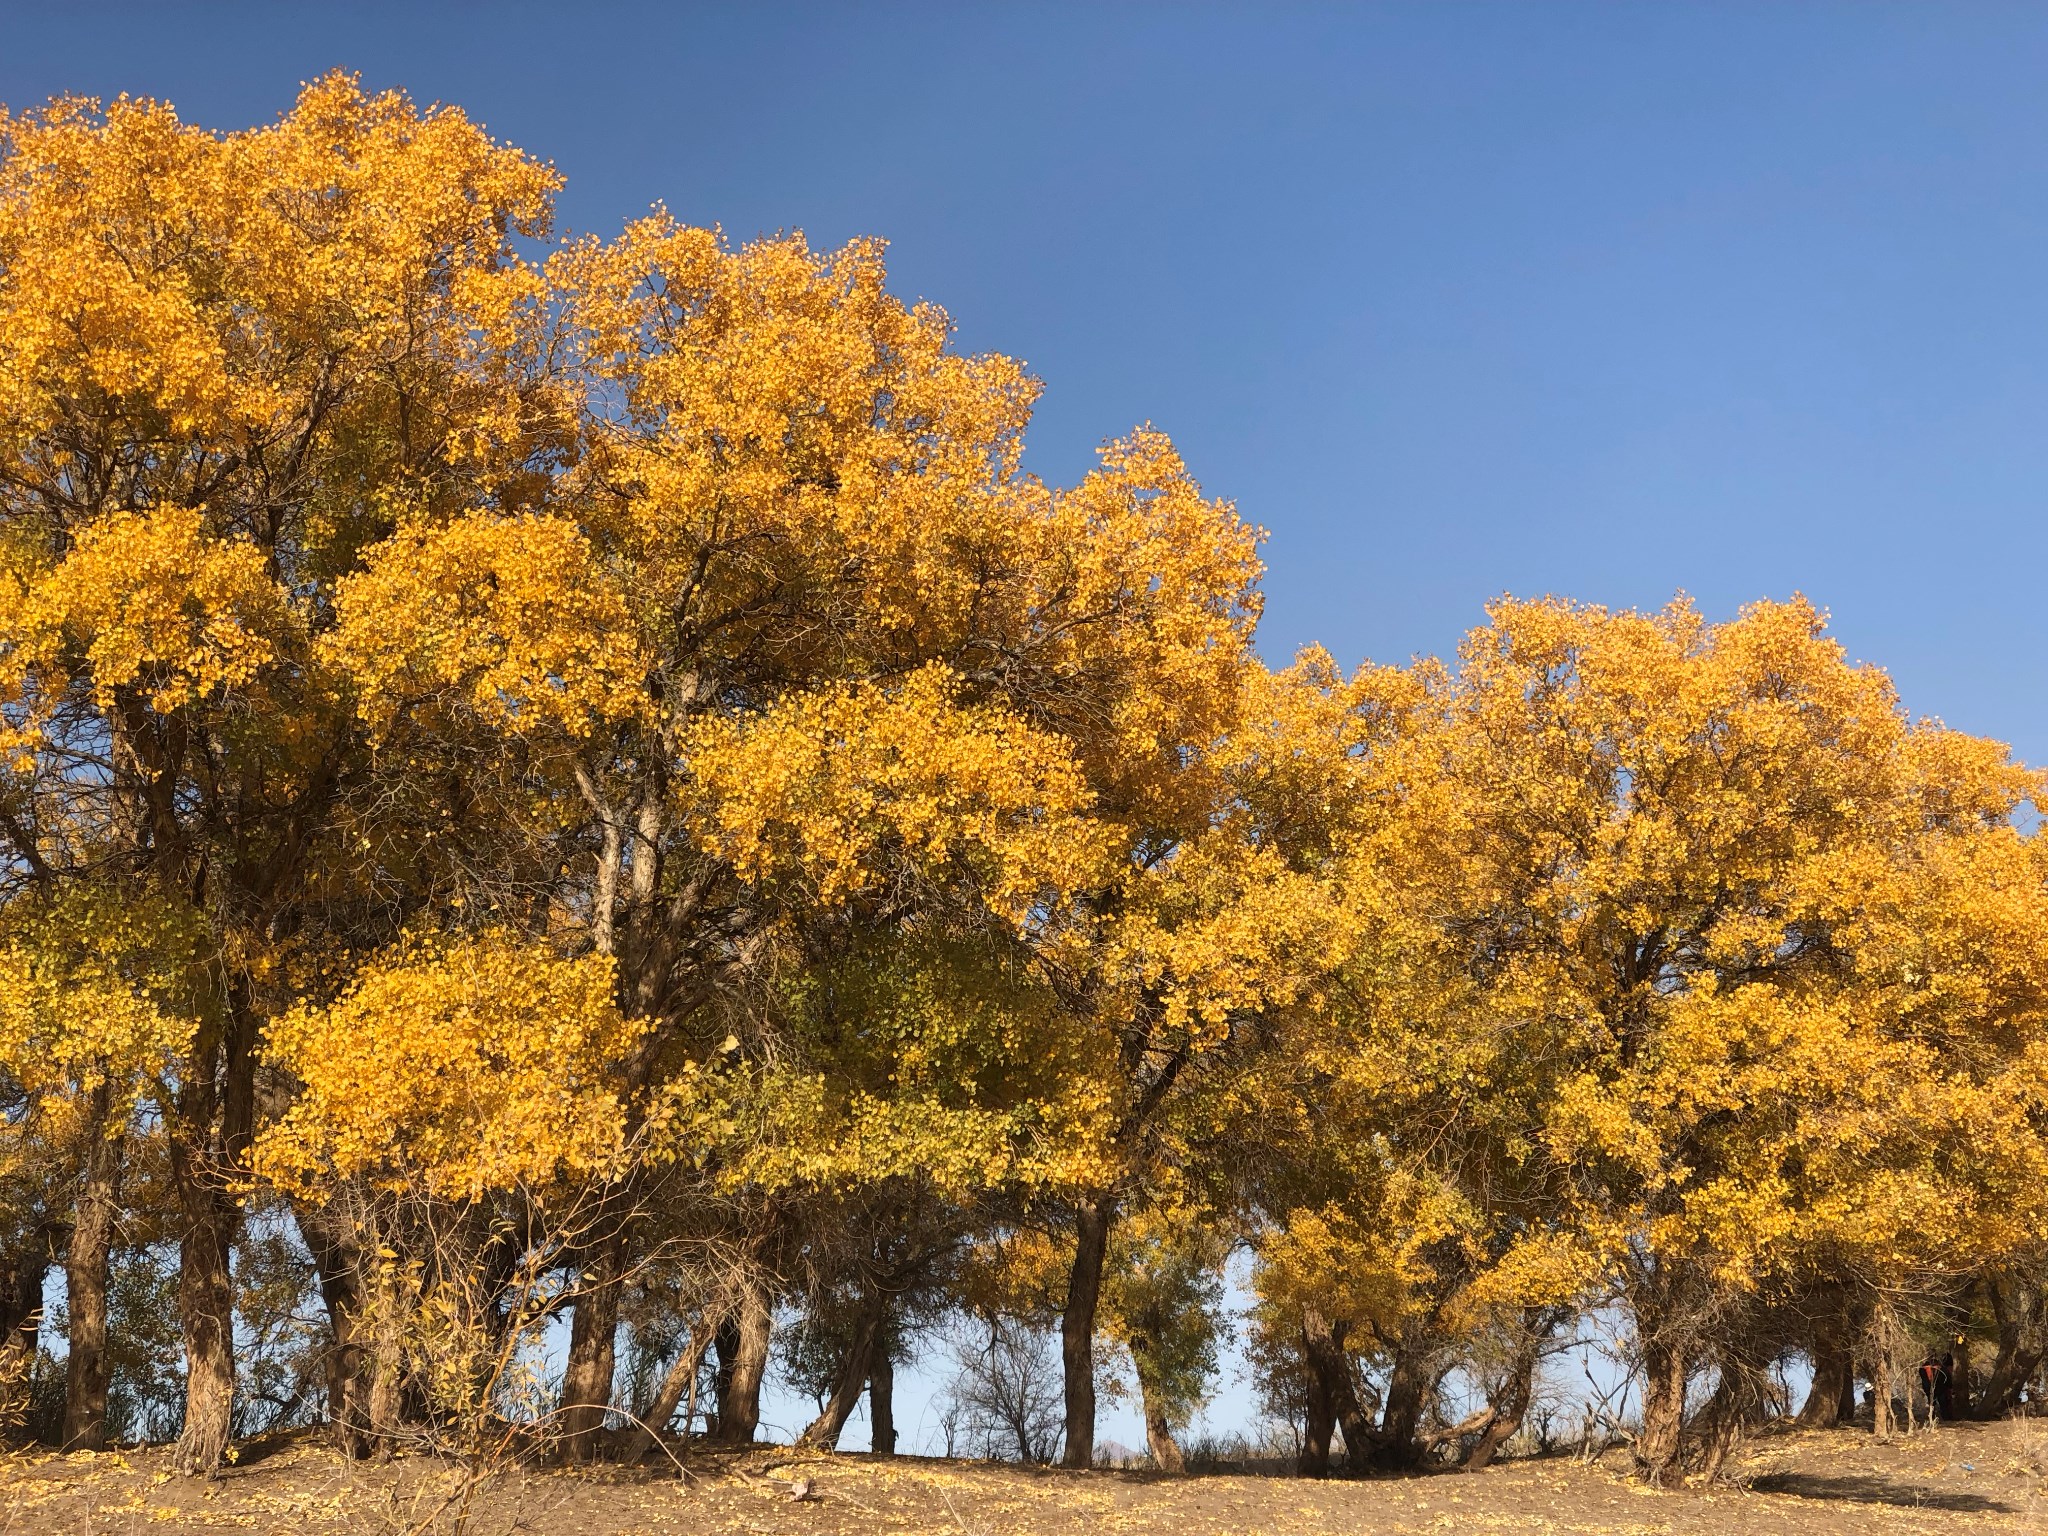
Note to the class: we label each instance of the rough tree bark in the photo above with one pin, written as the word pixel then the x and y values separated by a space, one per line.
pixel 1319 1426
pixel 86 1262
pixel 205 1311
pixel 2022 1339
pixel 1398 1444
pixel 1077 1328
pixel 209 1132
pixel 1665 1368
pixel 680 1381
pixel 1741 1400
pixel 740 1373
pixel 593 1345
pixel 1832 1398
pixel 1331 1397
pixel 337 1257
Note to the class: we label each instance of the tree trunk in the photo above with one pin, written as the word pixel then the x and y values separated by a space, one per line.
pixel 1834 1379
pixel 825 1429
pixel 331 1239
pixel 21 1323
pixel 1962 1399
pixel 1884 1370
pixel 1319 1424
pixel 1398 1445
pixel 593 1346
pixel 206 1306
pixel 1741 1399
pixel 882 1398
pixel 1159 1442
pixel 1508 1410
pixel 209 1130
pixel 2017 1311
pixel 1664 1376
pixel 680 1380
pixel 384 1395
pixel 1077 1328
pixel 1331 1397
pixel 740 1374
pixel 85 1281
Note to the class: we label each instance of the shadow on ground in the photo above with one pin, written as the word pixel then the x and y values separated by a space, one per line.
pixel 1874 1490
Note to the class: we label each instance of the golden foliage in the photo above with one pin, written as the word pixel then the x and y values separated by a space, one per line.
pixel 477 1064
pixel 821 785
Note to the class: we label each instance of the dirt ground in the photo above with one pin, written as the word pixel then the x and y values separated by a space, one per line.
pixel 1963 1478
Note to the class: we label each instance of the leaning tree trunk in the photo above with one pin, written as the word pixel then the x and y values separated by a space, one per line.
pixel 1159 1442
pixel 680 1380
pixel 593 1347
pixel 1077 1328
pixel 1741 1400
pixel 86 1262
pixel 740 1375
pixel 825 1429
pixel 882 1398
pixel 2021 1339
pixel 1506 1412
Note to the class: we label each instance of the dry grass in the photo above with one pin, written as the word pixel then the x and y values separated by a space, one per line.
pixel 1966 1478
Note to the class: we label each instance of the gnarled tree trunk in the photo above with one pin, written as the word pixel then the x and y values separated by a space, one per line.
pixel 740 1372
pixel 2022 1339
pixel 680 1381
pixel 1333 1401
pixel 1665 1368
pixel 210 1128
pixel 206 1306
pixel 1506 1412
pixel 1398 1445
pixel 1832 1399
pixel 337 1257
pixel 1742 1399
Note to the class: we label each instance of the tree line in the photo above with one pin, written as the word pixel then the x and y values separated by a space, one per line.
pixel 578 786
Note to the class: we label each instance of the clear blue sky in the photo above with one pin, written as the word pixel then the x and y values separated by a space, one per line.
pixel 1456 300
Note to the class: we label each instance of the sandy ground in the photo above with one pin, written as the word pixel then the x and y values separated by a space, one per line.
pixel 1964 1478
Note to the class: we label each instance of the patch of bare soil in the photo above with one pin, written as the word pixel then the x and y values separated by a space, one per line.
pixel 1963 1478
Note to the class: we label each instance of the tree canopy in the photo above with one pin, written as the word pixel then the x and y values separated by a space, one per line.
pixel 582 777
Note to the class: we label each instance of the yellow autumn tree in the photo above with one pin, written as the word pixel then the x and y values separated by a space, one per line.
pixel 797 647
pixel 96 1007
pixel 1671 838
pixel 228 362
pixel 542 763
